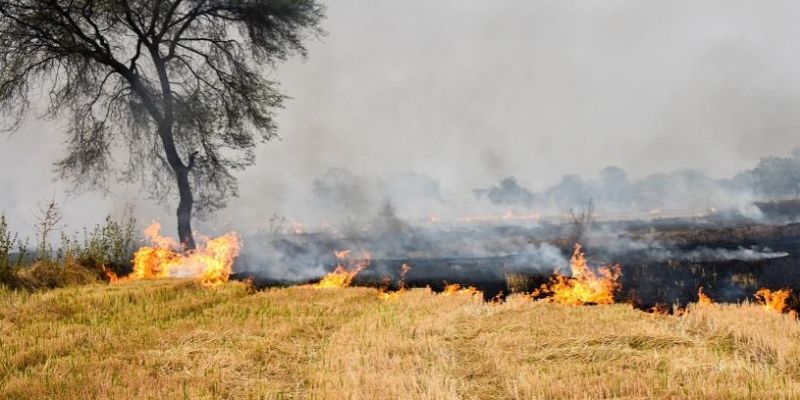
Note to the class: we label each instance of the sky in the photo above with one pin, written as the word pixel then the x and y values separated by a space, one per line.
pixel 471 91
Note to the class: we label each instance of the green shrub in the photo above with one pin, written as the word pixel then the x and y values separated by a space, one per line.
pixel 106 247
pixel 109 246
pixel 10 241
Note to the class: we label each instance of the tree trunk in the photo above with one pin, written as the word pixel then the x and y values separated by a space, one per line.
pixel 184 188
pixel 185 210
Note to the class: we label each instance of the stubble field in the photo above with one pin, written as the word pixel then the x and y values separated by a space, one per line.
pixel 175 339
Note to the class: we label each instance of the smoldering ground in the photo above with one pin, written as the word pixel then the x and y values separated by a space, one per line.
pixel 656 268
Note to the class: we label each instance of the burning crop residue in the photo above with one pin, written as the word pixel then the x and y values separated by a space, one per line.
pixel 702 297
pixel 770 300
pixel 211 262
pixel 453 289
pixel 584 286
pixel 346 270
pixel 773 300
pixel 386 295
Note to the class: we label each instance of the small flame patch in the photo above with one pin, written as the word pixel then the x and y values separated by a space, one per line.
pixel 211 262
pixel 773 300
pixel 584 286
pixel 346 270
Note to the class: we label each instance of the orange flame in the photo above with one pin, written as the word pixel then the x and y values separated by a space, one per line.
pixel 584 286
pixel 453 289
pixel 773 300
pixel 111 275
pixel 660 309
pixel 389 295
pixel 703 298
pixel 211 261
pixel 342 276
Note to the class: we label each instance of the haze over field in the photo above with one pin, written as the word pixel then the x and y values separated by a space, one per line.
pixel 468 92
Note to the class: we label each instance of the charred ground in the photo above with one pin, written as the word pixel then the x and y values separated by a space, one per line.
pixel 663 261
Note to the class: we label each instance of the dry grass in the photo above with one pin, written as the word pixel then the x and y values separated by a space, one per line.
pixel 177 340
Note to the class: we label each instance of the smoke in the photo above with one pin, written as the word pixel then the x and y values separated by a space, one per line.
pixel 686 191
pixel 543 258
pixel 340 194
pixel 465 93
pixel 705 254
pixel 615 242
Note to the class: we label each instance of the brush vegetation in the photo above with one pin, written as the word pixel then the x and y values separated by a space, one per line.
pixel 78 259
pixel 174 339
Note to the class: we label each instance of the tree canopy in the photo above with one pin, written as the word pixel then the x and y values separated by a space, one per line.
pixel 175 89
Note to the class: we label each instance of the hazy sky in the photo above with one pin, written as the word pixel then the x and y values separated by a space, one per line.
pixel 470 91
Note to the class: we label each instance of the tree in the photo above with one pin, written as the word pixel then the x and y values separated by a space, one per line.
pixel 777 177
pixel 176 87
pixel 508 192
pixel 612 189
pixel 571 191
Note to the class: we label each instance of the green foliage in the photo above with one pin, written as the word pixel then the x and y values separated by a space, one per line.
pixel 8 260
pixel 106 247
pixel 48 220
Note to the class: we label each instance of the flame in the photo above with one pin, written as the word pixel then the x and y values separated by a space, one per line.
pixel 342 276
pixel 390 295
pixel 584 286
pixel 383 294
pixel 111 275
pixel 660 309
pixel 453 289
pixel 773 300
pixel 702 298
pixel 211 262
pixel 341 254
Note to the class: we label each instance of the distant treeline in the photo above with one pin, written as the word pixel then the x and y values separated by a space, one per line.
pixel 772 178
pixel 342 193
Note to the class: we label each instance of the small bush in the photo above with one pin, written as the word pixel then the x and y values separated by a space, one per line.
pixel 108 246
pixel 10 241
